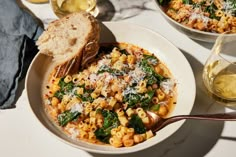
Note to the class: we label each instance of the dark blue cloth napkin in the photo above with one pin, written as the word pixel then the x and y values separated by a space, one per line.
pixel 18 32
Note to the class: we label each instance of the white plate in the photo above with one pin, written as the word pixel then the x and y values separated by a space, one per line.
pixel 137 35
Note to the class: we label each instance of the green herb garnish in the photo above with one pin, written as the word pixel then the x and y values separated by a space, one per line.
pixel 211 9
pixel 105 68
pixel 136 123
pixel 124 51
pixel 147 99
pixel 163 2
pixel 132 99
pixel 110 121
pixel 151 75
pixel 155 107
pixel 67 116
pixel 64 88
pixel 86 96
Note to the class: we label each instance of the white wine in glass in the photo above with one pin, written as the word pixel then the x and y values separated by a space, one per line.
pixel 38 1
pixel 64 7
pixel 224 85
pixel 219 74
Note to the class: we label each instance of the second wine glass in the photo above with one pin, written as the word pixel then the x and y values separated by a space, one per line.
pixel 219 74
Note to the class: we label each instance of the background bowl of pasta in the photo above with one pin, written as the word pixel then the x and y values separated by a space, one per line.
pixel 116 32
pixel 202 20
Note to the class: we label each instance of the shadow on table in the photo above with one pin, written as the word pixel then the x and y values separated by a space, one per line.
pixel 228 138
pixel 30 51
pixel 106 10
pixel 114 10
pixel 204 44
pixel 229 48
pixel 195 138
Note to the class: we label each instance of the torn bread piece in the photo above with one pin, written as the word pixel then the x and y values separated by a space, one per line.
pixel 72 41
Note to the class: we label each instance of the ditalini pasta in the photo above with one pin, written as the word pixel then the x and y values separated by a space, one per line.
pixel 216 16
pixel 106 102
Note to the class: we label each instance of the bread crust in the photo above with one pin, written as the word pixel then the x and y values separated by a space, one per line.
pixel 85 51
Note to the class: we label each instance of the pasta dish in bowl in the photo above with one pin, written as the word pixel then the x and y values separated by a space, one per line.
pixel 102 108
pixel 200 19
pixel 107 101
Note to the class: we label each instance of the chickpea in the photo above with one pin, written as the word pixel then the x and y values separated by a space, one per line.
pixel 54 101
pixel 163 110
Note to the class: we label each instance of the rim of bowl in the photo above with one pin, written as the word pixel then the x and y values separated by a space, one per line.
pixel 124 150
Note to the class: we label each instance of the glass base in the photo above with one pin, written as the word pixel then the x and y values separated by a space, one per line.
pixel 38 1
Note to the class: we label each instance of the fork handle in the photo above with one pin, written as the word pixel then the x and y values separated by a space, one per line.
pixel 216 117
pixel 231 116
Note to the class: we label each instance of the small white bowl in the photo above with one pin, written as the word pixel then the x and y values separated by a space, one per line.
pixel 119 32
pixel 190 32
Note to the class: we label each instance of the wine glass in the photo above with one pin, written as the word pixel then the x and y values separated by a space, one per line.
pixel 219 73
pixel 65 7
pixel 38 1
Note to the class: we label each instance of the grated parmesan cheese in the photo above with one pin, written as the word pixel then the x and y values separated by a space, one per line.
pixel 77 107
pixel 93 78
pixel 137 74
pixel 199 16
pixel 229 7
pixel 73 133
pixel 129 90
pixel 167 86
pixel 47 102
pixel 103 62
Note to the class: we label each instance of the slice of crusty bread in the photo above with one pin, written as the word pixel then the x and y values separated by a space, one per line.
pixel 72 41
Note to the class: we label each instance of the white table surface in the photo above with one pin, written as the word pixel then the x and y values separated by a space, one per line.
pixel 21 134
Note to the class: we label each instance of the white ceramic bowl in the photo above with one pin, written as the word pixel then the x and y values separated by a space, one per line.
pixel 190 32
pixel 119 32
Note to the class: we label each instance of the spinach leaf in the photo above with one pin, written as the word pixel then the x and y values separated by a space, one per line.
pixel 163 2
pixel 110 121
pixel 233 5
pixel 59 94
pixel 151 75
pixel 155 107
pixel 142 99
pixel 86 90
pixel 211 9
pixel 85 97
pixel 187 2
pixel 151 80
pixel 147 98
pixel 64 88
pixel 146 67
pixel 132 99
pixel 67 116
pixel 156 78
pixel 136 123
pixel 124 51
pixel 151 59
pixel 103 135
pixel 105 68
